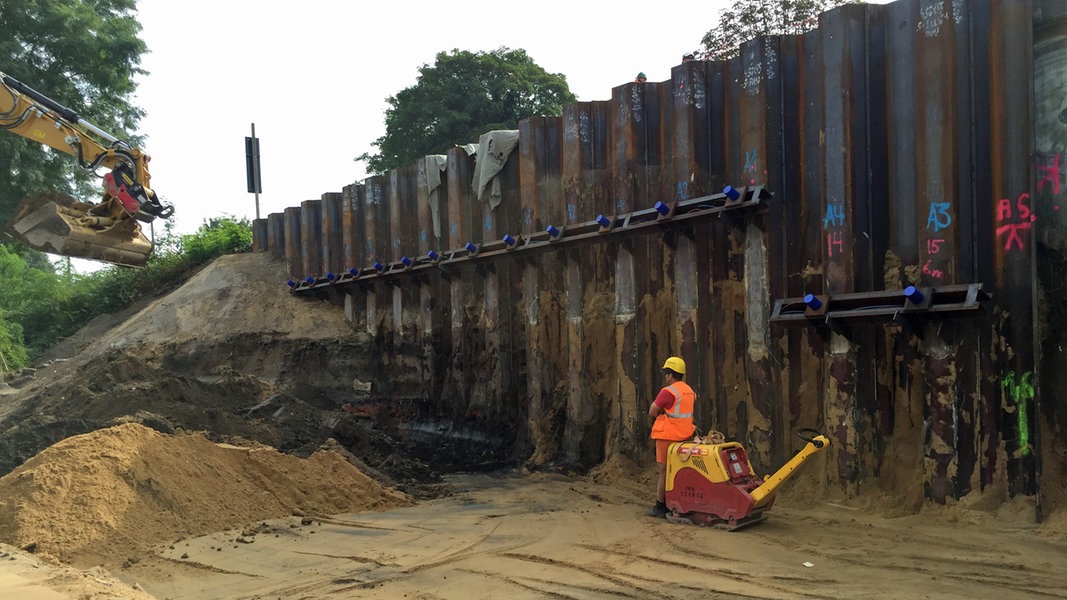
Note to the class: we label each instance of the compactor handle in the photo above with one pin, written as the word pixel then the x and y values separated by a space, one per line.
pixel 816 441
pixel 813 436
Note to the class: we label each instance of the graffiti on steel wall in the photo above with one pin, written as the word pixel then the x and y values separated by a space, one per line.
pixel 751 158
pixel 938 220
pixel 637 99
pixel 756 69
pixel 691 93
pixel 682 192
pixel 1014 219
pixel 834 225
pixel 933 14
pixel 1050 184
pixel 1020 392
pixel 373 198
pixel 933 248
pixel 575 130
pixel 1048 175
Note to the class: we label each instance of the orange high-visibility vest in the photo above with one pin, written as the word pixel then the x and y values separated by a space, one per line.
pixel 676 423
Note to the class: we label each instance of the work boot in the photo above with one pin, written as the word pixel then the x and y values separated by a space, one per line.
pixel 659 511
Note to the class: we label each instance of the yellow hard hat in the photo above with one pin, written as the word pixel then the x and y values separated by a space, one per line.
pixel 675 364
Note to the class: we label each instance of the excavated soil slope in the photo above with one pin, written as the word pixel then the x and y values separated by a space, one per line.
pixel 229 353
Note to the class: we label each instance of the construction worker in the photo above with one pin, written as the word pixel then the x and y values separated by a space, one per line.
pixel 640 78
pixel 673 411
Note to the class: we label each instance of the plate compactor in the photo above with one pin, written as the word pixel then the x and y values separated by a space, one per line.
pixel 714 484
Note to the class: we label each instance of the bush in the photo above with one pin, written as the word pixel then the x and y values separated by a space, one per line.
pixel 13 355
pixel 217 237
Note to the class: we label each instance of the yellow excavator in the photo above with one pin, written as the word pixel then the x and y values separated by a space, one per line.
pixel 107 231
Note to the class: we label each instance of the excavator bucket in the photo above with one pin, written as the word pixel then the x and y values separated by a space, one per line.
pixel 55 223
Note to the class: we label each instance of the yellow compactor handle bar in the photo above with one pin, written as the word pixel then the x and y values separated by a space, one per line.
pixel 816 441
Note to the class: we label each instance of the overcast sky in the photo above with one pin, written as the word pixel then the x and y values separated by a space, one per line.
pixel 313 77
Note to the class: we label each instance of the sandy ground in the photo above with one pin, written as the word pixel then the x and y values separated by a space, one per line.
pixel 553 537
pixel 539 535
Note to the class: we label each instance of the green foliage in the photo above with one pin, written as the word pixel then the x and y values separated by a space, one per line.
pixel 83 54
pixel 217 237
pixel 26 298
pixel 39 307
pixel 15 294
pixel 463 95
pixel 13 355
pixel 175 258
pixel 749 19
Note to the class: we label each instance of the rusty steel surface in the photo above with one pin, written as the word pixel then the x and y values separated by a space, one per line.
pixel 311 237
pixel 293 249
pixel 259 235
pixel 920 143
pixel 332 245
pixel 275 235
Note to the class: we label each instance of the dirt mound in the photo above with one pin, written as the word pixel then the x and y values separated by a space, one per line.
pixel 230 353
pixel 106 496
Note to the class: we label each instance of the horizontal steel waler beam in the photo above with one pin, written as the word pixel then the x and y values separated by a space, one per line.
pixel 837 311
pixel 664 215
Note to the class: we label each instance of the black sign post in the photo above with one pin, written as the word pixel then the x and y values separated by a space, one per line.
pixel 252 166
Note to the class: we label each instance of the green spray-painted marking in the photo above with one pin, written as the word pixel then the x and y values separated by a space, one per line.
pixel 1021 393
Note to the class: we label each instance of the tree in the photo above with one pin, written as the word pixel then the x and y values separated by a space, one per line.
pixel 749 19
pixel 83 54
pixel 463 95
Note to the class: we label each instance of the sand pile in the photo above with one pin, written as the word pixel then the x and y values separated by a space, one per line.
pixel 104 497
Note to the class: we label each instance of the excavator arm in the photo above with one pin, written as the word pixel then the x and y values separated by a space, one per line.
pixel 50 222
